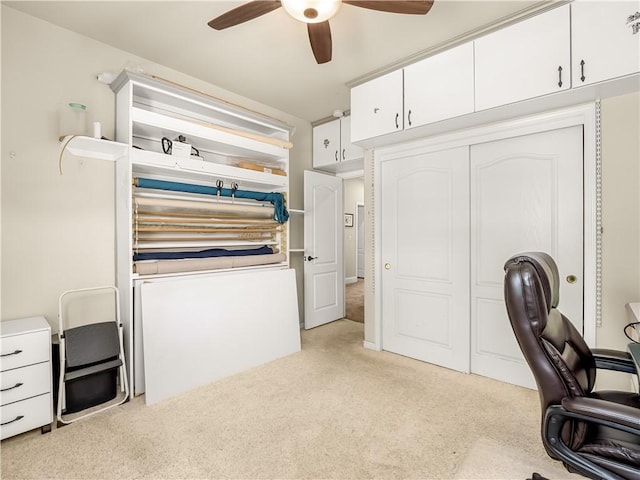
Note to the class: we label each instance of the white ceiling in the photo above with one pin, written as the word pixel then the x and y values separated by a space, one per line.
pixel 268 59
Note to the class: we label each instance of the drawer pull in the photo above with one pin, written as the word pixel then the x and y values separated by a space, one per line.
pixel 12 353
pixel 11 388
pixel 19 417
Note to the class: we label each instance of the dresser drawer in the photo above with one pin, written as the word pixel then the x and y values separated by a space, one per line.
pixel 25 382
pixel 25 415
pixel 26 349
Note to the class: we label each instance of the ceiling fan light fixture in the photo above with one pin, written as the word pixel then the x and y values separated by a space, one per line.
pixel 311 11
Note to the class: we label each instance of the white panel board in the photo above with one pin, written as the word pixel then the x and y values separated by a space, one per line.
pixel 198 330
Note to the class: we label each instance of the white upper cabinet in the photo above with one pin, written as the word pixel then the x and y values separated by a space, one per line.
pixel 349 150
pixel 570 54
pixel 376 107
pixel 332 147
pixel 326 144
pixel 524 60
pixel 613 48
pixel 439 87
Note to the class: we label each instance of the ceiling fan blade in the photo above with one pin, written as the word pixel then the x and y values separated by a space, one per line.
pixel 413 7
pixel 320 39
pixel 244 13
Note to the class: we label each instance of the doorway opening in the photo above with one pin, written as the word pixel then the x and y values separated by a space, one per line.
pixel 354 256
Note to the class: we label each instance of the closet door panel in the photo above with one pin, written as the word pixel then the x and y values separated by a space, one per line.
pixel 424 251
pixel 526 195
pixel 425 257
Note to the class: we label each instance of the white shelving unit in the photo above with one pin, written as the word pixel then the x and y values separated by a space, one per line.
pixel 296 213
pixel 237 147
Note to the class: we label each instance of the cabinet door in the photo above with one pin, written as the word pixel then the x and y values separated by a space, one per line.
pixel 605 40
pixel 439 87
pixel 525 60
pixel 376 107
pixel 326 144
pixel 349 150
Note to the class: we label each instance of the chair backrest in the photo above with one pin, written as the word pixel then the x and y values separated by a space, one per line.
pixel 560 360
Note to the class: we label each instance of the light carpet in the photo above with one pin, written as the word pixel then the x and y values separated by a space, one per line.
pixel 333 410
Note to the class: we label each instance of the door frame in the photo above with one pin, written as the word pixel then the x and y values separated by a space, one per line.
pixel 584 115
pixel 357 225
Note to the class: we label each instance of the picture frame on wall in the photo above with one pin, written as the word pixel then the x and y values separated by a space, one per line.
pixel 348 219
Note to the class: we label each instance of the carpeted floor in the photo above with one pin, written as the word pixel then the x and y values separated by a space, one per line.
pixel 335 410
pixel 354 301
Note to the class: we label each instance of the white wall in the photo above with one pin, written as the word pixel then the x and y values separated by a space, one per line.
pixel 620 117
pixel 58 230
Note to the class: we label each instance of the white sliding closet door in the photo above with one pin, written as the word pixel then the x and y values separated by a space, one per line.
pixel 425 257
pixel 526 195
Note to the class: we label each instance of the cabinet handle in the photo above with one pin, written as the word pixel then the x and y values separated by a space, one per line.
pixel 582 70
pixel 408 118
pixel 19 417
pixel 11 388
pixel 397 116
pixel 560 76
pixel 12 353
pixel 336 155
pixel 344 154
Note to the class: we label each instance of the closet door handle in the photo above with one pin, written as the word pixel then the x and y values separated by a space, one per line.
pixel 12 353
pixel 19 417
pixel 560 76
pixel 11 388
pixel 397 117
pixel 409 117
pixel 582 77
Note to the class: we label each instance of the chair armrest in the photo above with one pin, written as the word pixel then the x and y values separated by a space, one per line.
pixel 591 410
pixel 613 360
pixel 603 411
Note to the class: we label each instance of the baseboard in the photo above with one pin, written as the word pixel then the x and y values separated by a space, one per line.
pixel 370 346
pixel 349 280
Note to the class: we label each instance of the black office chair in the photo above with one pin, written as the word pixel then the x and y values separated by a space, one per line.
pixel 596 434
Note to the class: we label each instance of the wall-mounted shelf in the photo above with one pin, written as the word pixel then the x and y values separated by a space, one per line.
pixel 97 148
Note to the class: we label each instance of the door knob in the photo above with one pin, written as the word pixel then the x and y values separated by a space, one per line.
pixel 572 279
pixel 387 266
pixel 309 258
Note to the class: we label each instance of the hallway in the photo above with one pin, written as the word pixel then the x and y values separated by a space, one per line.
pixel 354 301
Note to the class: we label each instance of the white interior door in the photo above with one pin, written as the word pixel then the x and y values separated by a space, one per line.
pixel 526 195
pixel 425 256
pixel 323 249
pixel 360 242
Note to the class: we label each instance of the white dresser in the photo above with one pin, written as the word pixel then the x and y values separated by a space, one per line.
pixel 25 376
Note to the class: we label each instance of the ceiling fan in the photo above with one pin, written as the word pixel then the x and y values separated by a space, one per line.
pixel 316 14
